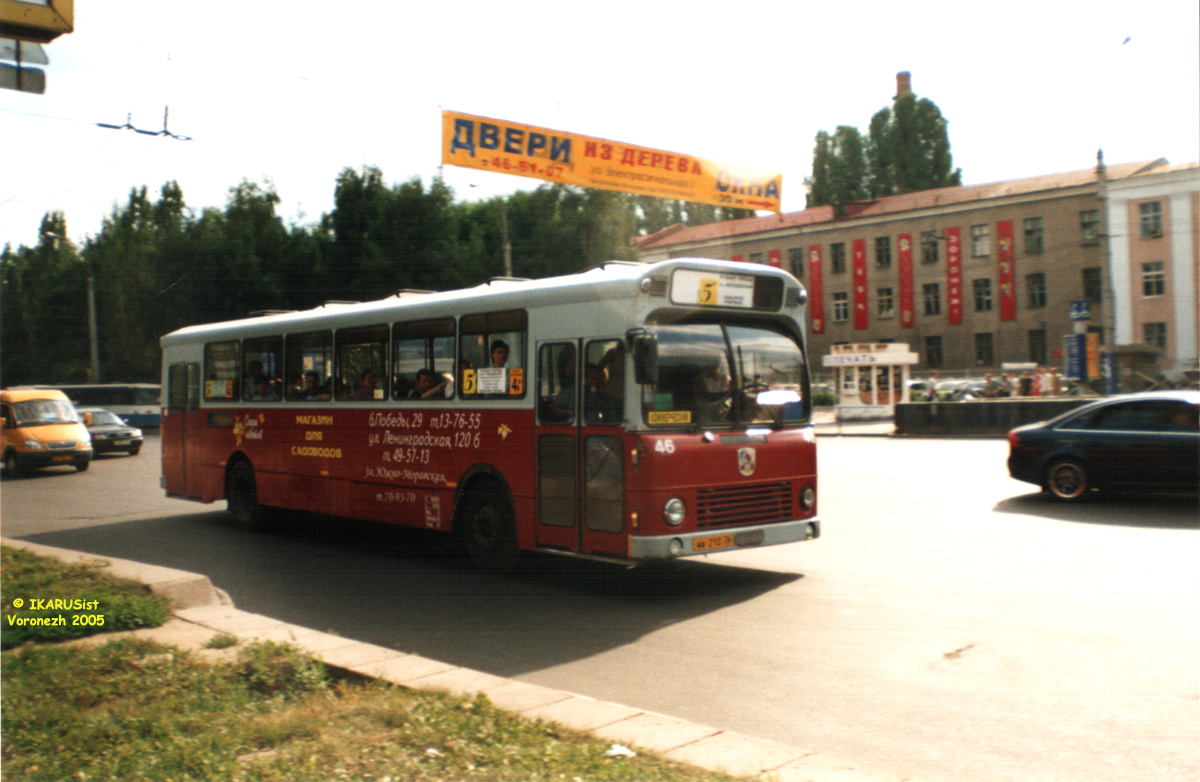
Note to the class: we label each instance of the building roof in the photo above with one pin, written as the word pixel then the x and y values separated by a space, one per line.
pixel 906 202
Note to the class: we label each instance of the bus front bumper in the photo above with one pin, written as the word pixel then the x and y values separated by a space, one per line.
pixel 689 544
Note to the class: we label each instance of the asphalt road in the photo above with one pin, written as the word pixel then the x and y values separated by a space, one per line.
pixel 950 624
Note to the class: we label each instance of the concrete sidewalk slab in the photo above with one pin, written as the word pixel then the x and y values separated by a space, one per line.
pixel 185 589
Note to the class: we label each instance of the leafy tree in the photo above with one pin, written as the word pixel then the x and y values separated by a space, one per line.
pixel 44 334
pixel 907 149
pixel 911 148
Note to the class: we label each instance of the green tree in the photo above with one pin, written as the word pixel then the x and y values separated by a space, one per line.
pixel 43 337
pixel 910 148
pixel 907 149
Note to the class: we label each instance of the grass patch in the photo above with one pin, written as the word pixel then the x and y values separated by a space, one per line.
pixel 42 599
pixel 135 710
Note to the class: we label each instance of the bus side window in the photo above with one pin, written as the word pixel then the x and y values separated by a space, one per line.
pixel 263 360
pixel 492 350
pixel 423 362
pixel 308 366
pixel 362 364
pixel 222 371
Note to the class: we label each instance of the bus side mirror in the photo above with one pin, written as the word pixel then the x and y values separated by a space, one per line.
pixel 645 359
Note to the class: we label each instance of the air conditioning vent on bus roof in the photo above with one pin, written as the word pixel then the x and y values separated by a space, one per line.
pixel 268 313
pixel 404 292
pixel 792 297
pixel 338 303
pixel 490 280
pixel 654 286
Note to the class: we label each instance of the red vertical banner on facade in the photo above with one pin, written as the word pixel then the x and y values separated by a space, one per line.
pixel 954 279
pixel 905 264
pixel 816 299
pixel 775 258
pixel 1008 273
pixel 859 264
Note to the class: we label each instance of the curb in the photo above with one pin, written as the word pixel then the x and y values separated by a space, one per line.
pixel 201 610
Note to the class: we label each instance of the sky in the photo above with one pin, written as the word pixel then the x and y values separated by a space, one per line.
pixel 288 94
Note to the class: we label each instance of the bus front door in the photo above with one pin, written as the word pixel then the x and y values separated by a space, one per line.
pixel 580 451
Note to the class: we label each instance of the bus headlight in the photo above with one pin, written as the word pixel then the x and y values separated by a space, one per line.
pixel 33 445
pixel 674 511
pixel 808 497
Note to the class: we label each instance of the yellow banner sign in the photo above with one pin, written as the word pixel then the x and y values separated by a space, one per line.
pixel 523 150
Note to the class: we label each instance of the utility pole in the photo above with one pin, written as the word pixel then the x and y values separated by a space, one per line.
pixel 1109 369
pixel 507 244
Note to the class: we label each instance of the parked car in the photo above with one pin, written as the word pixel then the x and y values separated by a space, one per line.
pixel 110 432
pixel 1137 442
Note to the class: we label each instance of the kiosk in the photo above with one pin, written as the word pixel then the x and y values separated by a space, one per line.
pixel 872 378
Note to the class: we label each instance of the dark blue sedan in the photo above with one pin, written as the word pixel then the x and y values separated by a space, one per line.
pixel 1148 442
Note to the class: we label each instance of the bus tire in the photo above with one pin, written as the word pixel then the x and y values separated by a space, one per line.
pixel 489 532
pixel 241 495
pixel 11 464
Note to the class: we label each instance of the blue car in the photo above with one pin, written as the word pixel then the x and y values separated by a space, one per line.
pixel 1145 443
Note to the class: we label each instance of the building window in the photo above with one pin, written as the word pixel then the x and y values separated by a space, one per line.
pixel 933 352
pixel 756 258
pixel 841 307
pixel 1089 226
pixel 883 252
pixel 929 248
pixel 981 241
pixel 796 259
pixel 983 295
pixel 1033 235
pixel 985 354
pixel 932 293
pixel 1154 281
pixel 1035 285
pixel 1151 217
pixel 885 306
pixel 1155 335
pixel 837 257
pixel 1093 284
pixel 1037 346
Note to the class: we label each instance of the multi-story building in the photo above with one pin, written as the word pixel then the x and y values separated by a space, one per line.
pixel 978 276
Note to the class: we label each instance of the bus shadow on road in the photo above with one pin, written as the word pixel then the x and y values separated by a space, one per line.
pixel 413 591
pixel 1126 510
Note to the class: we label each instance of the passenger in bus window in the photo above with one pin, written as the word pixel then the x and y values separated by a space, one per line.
pixel 263 390
pixel 499 353
pixel 429 386
pixel 312 387
pixel 366 386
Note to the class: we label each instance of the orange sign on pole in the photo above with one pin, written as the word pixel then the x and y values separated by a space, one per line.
pixel 524 150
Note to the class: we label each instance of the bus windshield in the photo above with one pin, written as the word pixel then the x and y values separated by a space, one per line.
pixel 725 376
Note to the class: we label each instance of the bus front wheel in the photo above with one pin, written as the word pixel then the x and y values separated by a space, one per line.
pixel 241 493
pixel 489 534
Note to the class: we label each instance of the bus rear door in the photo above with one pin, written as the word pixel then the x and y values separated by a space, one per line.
pixel 181 431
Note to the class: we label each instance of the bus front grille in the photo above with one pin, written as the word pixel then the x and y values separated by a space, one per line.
pixel 759 503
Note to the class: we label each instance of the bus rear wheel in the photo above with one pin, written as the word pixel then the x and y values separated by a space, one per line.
pixel 241 493
pixel 489 534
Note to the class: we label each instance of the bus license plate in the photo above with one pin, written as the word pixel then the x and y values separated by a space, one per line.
pixel 63 458
pixel 122 442
pixel 712 543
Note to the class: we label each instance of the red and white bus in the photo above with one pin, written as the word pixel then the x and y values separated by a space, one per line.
pixel 633 412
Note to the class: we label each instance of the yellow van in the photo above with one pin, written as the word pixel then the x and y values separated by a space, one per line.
pixel 41 428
